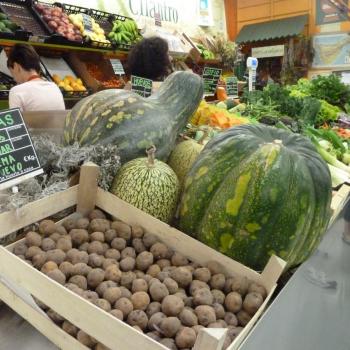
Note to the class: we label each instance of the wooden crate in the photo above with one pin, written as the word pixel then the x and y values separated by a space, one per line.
pixel 20 281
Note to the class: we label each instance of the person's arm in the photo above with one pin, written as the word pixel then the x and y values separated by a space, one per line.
pixel 15 100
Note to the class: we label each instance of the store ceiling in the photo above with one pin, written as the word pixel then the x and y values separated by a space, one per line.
pixel 281 28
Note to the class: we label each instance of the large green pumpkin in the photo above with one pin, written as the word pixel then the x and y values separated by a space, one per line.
pixel 148 184
pixel 255 191
pixel 134 123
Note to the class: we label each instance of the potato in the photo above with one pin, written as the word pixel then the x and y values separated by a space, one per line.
pixel 149 240
pixel 103 286
pixel 32 251
pixel 112 254
pixel 80 281
pixel 202 296
pixel 85 339
pixel 96 247
pixel 64 243
pixel 49 266
pixel 138 245
pixel 70 224
pixel 103 304
pixel 227 342
pixel 95 277
pixel 218 296
pixel 217 281
pixel 110 235
pixel 56 255
pixel 219 311
pixel 205 314
pixel 136 231
pixel 55 316
pixel 140 300
pixel 139 285
pixel 128 252
pixel 112 294
pixel 33 239
pixel 234 331
pixel 231 319
pixel 158 291
pixel 97 214
pixel 188 301
pixel 222 323
pixel 188 317
pixel 57 276
pixel 169 343
pixel 171 285
pixel 81 269
pixel 83 223
pixel 20 249
pixel 96 260
pixel 144 260
pixel 240 285
pixel 252 303
pixel 182 276
pixel 233 302
pixel 47 227
pixel 154 335
pixel 74 288
pixel 185 338
pixel 55 237
pixel 138 318
pixel 60 230
pixel 70 328
pixel 127 264
pixel 66 268
pixel 90 295
pixel 48 244
pixel 79 236
pixel 243 318
pixel 215 267
pixel 118 243
pixel 147 278
pixel 75 256
pixel 202 274
pixel 99 225
pixel 254 287
pixel 84 247
pixel 139 274
pixel 163 275
pixel 155 320
pixel 179 260
pixel 124 305
pixel 172 305
pixel 123 230
pixel 97 236
pixel 39 260
pixel 169 326
pixel 162 263
pixel 196 285
pixel 160 251
pixel 153 308
pixel 153 270
pixel 112 273
pixel 117 313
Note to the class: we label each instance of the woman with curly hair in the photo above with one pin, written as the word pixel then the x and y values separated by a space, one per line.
pixel 150 59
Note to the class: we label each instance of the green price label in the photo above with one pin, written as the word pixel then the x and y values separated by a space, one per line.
pixel 141 86
pixel 211 78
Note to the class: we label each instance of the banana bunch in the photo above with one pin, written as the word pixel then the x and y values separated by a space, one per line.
pixel 124 32
pixel 205 53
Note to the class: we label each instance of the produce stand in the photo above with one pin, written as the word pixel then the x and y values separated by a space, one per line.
pixel 20 280
pixel 314 304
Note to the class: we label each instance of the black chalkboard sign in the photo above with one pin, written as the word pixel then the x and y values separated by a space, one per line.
pixel 141 86
pixel 117 66
pixel 232 87
pixel 17 154
pixel 211 78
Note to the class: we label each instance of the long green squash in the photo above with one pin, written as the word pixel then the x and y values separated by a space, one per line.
pixel 134 123
pixel 256 191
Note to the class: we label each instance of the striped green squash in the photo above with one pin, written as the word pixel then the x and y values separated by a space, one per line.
pixel 255 191
pixel 134 123
pixel 149 185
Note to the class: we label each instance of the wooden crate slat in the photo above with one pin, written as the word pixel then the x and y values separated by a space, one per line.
pixel 210 339
pixel 102 326
pixel 15 220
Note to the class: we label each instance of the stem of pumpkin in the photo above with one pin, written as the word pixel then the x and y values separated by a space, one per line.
pixel 151 154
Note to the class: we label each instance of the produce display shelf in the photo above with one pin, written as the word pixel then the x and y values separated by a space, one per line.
pixel 20 281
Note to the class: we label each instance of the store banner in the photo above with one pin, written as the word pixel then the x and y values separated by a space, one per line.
pixel 331 50
pixel 268 51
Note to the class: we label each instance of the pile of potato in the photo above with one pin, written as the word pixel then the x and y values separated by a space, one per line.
pixel 138 279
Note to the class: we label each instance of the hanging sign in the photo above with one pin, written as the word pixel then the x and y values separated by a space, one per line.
pixel 232 87
pixel 211 78
pixel 18 159
pixel 141 86
pixel 117 66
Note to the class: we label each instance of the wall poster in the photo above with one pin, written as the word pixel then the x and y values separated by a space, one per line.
pixel 331 11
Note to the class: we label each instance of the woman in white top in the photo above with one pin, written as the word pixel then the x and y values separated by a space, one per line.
pixel 32 92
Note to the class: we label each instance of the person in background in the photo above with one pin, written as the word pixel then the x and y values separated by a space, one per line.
pixel 149 59
pixel 32 92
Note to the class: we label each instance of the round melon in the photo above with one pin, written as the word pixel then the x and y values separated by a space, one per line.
pixel 148 184
pixel 255 191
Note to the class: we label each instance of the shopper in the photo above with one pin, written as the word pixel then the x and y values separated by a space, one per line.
pixel 150 59
pixel 32 92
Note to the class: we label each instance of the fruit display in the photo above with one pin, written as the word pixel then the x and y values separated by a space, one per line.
pixel 135 123
pixel 255 191
pixel 124 32
pixel 6 25
pixel 57 20
pixel 95 33
pixel 106 81
pixel 148 184
pixel 138 279
pixel 69 83
pixel 205 53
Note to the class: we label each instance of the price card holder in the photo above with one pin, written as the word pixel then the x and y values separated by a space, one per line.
pixel 18 158
pixel 87 23
pixel 141 86
pixel 211 78
pixel 117 66
pixel 232 87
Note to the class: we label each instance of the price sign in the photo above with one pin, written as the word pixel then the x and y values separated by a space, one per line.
pixel 87 23
pixel 211 78
pixel 232 87
pixel 117 66
pixel 157 19
pixel 141 86
pixel 18 159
